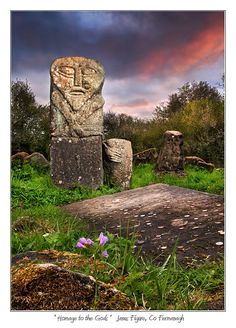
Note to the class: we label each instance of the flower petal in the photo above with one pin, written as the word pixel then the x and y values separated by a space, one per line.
pixel 103 239
pixel 80 245
pixel 82 240
pixel 89 242
pixel 105 254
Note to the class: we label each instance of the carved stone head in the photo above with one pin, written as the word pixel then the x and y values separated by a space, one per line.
pixel 77 78
pixel 173 138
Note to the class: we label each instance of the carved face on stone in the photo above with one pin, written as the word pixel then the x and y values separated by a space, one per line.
pixel 77 78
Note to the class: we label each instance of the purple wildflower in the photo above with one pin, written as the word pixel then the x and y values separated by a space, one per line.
pixel 83 242
pixel 103 239
pixel 80 245
pixel 105 254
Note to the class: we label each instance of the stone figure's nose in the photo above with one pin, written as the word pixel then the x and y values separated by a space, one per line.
pixel 78 78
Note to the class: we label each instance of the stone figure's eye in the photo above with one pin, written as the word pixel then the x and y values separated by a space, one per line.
pixel 66 71
pixel 89 70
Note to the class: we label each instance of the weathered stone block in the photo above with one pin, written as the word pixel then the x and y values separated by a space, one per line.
pixel 197 161
pixel 118 158
pixel 37 158
pixel 171 154
pixel 76 121
pixel 147 156
pixel 77 161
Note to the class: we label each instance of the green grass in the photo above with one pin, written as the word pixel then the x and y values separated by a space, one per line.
pixel 32 187
pixel 39 224
pixel 169 286
pixel 47 227
pixel 172 286
pixel 195 178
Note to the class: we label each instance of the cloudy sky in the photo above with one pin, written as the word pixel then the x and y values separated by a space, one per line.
pixel 147 55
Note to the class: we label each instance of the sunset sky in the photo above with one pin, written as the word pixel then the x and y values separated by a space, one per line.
pixel 147 55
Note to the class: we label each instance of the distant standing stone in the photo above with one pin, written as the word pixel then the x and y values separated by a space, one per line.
pixel 171 155
pixel 118 158
pixel 76 122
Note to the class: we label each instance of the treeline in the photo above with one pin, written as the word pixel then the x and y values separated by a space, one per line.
pixel 29 121
pixel 196 109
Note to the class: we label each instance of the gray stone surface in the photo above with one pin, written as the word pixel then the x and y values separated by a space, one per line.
pixel 37 158
pixel 147 156
pixel 171 155
pixel 76 100
pixel 118 159
pixel 161 215
pixel 197 161
pixel 76 122
pixel 19 157
pixel 77 161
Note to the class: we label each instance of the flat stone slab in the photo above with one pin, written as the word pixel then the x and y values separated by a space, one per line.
pixel 161 215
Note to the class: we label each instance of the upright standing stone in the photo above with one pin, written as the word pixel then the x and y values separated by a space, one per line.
pixel 171 155
pixel 118 158
pixel 76 122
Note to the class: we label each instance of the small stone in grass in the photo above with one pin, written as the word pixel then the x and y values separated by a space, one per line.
pixel 140 242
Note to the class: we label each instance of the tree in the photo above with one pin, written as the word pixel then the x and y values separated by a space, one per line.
pixel 29 121
pixel 197 110
pixel 202 122
pixel 187 93
pixel 118 125
pixel 126 127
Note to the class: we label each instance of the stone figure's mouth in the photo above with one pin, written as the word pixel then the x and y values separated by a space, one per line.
pixel 77 91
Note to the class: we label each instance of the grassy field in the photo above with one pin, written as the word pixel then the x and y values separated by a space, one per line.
pixel 33 187
pixel 38 223
pixel 195 178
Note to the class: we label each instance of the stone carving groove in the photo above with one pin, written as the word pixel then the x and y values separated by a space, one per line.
pixel 76 100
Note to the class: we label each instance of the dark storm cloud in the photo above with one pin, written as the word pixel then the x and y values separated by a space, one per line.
pixel 146 55
pixel 122 41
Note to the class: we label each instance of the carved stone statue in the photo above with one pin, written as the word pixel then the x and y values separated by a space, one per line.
pixel 76 122
pixel 76 101
pixel 118 158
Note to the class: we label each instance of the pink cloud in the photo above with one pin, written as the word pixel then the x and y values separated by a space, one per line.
pixel 204 49
pixel 139 107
